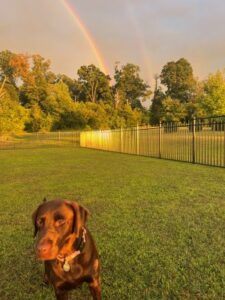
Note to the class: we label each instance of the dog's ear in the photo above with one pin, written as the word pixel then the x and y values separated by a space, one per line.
pixel 35 214
pixel 84 213
pixel 80 215
pixel 34 218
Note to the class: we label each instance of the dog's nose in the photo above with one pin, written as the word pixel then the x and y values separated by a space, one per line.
pixel 44 247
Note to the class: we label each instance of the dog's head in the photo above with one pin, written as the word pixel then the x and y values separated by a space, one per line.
pixel 53 222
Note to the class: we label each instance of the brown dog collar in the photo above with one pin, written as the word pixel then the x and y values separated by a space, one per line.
pixel 80 242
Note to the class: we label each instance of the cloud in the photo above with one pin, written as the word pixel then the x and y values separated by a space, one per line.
pixel 146 32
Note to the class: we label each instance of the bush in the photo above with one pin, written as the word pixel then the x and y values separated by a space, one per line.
pixel 38 120
pixel 12 115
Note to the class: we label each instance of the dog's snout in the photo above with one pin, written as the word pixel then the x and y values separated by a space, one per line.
pixel 44 247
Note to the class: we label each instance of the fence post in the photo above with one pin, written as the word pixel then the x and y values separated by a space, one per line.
pixel 121 139
pixel 160 139
pixel 193 140
pixel 138 142
pixel 59 136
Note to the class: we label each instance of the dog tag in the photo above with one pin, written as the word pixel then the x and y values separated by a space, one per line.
pixel 66 266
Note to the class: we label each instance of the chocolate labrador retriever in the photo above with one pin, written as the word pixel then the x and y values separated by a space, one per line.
pixel 66 246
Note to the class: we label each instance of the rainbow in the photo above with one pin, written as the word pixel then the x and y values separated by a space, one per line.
pixel 89 38
pixel 140 41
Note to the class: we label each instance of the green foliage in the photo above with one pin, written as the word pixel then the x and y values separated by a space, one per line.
pixel 156 108
pixel 38 120
pixel 94 85
pixel 94 114
pixel 34 89
pixel 14 66
pixel 74 119
pixel 213 99
pixel 91 102
pixel 87 115
pixel 91 115
pixel 178 78
pixel 6 69
pixel 12 114
pixel 173 110
pixel 58 99
pixel 73 86
pixel 130 87
pixel 11 91
pixel 129 117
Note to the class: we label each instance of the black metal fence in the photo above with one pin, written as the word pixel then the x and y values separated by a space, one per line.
pixel 41 139
pixel 199 141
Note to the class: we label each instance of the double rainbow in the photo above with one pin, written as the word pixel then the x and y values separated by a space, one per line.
pixel 70 8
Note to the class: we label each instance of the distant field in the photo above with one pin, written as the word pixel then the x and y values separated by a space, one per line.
pixel 159 225
pixel 40 140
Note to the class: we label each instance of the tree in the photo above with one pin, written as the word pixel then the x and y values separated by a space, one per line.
pixel 20 65
pixel 57 103
pixel 157 103
pixel 194 107
pixel 2 85
pixel 12 114
pixel 87 115
pixel 213 98
pixel 34 89
pixel 178 78
pixel 6 70
pixel 131 117
pixel 173 110
pixel 12 91
pixel 130 87
pixel 58 99
pixel 34 96
pixel 73 85
pixel 73 119
pixel 156 108
pixel 14 66
pixel 38 120
pixel 94 85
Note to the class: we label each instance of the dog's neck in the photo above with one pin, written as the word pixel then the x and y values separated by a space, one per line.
pixel 76 244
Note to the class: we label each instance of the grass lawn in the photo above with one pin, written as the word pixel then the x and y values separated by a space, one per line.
pixel 159 225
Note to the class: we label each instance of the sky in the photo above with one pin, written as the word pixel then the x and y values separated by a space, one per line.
pixel 148 33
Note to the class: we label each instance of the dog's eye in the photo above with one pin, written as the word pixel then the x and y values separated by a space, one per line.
pixel 40 222
pixel 60 222
pixel 59 219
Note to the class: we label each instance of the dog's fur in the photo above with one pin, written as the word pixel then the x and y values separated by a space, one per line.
pixel 60 226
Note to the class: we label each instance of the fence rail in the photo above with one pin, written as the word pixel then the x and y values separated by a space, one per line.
pixel 200 141
pixel 41 139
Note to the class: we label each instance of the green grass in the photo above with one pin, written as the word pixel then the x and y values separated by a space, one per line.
pixel 159 225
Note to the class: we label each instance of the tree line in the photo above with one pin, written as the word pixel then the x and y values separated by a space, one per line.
pixel 179 96
pixel 33 98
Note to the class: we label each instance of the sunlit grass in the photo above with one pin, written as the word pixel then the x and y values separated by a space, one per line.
pixel 159 225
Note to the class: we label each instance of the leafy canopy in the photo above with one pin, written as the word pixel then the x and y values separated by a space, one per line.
pixel 129 86
pixel 179 80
